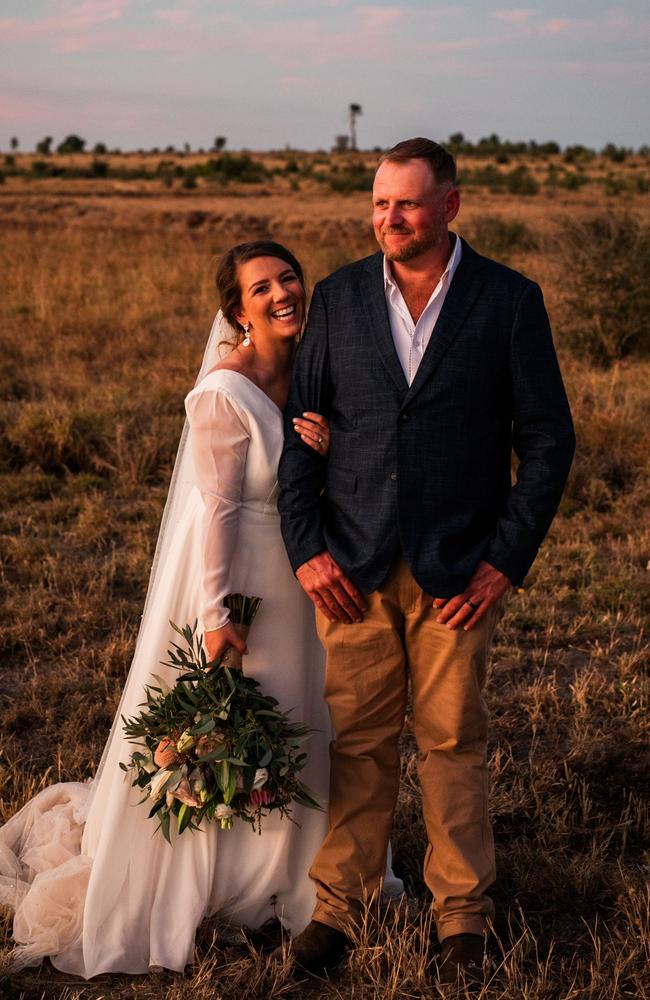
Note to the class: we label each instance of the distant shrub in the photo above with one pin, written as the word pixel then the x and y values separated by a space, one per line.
pixel 607 299
pixel 571 180
pixel 233 167
pixel 99 168
pixel 40 168
pixel 490 177
pixel 500 238
pixel 10 161
pixel 578 154
pixel 354 177
pixel 189 182
pixel 71 144
pixel 617 154
pixel 521 181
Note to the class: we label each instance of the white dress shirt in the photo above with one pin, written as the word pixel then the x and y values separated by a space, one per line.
pixel 411 338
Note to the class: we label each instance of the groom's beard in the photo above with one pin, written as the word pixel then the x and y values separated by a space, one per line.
pixel 407 251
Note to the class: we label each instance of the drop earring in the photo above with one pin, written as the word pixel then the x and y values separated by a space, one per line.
pixel 246 342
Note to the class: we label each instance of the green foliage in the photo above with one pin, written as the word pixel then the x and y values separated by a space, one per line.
pixel 352 177
pixel 229 749
pixel 44 147
pixel 71 144
pixel 99 168
pixel 500 238
pixel 578 154
pixel 233 167
pixel 607 293
pixel 521 181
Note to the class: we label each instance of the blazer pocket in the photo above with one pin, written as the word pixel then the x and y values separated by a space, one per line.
pixel 341 480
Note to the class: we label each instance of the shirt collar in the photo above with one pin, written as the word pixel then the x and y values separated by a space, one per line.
pixel 446 275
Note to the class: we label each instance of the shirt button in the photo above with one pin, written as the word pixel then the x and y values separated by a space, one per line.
pixel 393 476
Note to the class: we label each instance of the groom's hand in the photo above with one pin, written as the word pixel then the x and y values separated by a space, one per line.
pixel 326 584
pixel 483 590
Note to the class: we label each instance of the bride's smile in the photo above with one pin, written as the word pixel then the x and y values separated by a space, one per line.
pixel 272 299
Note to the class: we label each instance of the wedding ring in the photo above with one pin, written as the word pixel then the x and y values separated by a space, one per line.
pixel 320 440
pixel 471 604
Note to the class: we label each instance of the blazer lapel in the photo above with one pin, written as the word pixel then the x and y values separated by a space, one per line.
pixel 460 298
pixel 374 301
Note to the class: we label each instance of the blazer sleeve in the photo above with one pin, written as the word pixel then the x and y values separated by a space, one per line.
pixel 542 436
pixel 301 473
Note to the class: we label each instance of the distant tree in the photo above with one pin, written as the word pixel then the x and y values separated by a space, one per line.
pixel 187 148
pixel 100 149
pixel 71 144
pixel 341 144
pixel 13 142
pixel 170 149
pixel 44 147
pixel 614 153
pixel 219 143
pixel 578 154
pixel 456 139
pixel 354 111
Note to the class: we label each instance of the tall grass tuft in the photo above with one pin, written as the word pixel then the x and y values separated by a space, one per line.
pixel 606 264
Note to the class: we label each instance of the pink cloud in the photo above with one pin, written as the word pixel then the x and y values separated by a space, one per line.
pixel 174 16
pixel 378 17
pixel 519 15
pixel 555 26
pixel 65 20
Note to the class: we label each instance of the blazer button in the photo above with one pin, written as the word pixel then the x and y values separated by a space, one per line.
pixel 393 476
pixel 404 417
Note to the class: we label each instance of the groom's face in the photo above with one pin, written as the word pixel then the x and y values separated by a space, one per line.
pixel 411 211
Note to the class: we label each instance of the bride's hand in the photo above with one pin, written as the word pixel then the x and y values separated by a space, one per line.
pixel 314 430
pixel 217 640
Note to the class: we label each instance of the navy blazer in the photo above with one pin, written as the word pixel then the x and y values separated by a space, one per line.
pixel 425 469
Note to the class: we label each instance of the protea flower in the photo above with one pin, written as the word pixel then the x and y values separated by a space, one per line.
pixel 166 754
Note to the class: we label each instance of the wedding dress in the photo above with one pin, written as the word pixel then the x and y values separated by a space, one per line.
pixel 93 885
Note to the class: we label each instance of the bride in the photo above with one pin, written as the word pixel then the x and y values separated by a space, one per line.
pixel 93 886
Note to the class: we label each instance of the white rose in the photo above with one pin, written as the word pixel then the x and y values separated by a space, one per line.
pixel 260 778
pixel 222 811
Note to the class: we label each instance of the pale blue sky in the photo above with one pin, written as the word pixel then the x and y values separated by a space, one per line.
pixel 267 73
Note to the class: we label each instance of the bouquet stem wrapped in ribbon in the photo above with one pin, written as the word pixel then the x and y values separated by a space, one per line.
pixel 214 747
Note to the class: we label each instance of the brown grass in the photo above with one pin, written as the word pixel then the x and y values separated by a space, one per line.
pixel 106 307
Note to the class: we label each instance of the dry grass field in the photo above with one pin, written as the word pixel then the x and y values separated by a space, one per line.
pixel 107 300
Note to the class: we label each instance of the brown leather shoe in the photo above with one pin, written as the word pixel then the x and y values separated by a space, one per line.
pixel 461 960
pixel 316 949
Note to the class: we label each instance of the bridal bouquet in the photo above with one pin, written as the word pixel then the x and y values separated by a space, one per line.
pixel 214 746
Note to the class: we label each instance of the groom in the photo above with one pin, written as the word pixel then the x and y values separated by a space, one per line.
pixel 432 364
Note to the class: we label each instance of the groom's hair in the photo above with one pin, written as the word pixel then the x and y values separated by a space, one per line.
pixel 442 163
pixel 228 273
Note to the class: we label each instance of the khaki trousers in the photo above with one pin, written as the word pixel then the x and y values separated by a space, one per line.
pixel 368 665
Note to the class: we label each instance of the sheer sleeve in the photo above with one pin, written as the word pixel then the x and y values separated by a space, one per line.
pixel 219 440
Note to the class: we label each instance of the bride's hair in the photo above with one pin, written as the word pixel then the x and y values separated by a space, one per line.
pixel 228 274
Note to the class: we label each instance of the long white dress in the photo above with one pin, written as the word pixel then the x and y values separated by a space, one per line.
pixel 93 885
